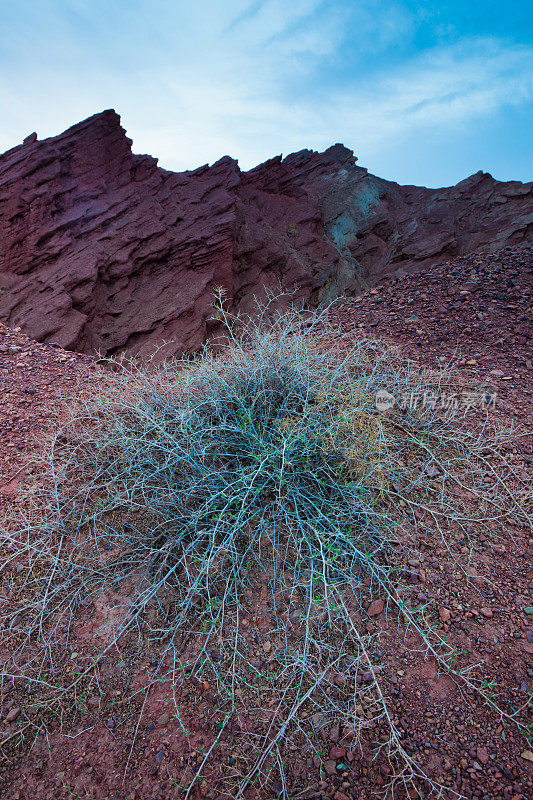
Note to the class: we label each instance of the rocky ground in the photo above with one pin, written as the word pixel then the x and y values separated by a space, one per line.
pixel 476 311
pixel 34 378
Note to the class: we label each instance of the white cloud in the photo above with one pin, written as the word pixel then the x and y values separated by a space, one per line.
pixel 251 79
pixel 445 88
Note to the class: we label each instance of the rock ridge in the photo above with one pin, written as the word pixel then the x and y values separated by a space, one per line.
pixel 103 250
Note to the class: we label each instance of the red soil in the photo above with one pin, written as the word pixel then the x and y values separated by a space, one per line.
pixel 478 308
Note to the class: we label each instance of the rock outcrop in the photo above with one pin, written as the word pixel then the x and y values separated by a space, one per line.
pixel 101 249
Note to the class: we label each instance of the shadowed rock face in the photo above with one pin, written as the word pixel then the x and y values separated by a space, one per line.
pixel 101 249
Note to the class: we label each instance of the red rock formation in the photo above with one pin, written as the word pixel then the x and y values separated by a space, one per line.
pixel 102 249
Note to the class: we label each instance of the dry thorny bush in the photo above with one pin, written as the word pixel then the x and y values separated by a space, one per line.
pixel 182 489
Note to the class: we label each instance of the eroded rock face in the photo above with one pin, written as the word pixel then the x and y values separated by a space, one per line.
pixel 101 249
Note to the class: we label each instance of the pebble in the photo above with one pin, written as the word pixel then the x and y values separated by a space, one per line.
pixel 13 715
pixel 376 607
pixel 335 734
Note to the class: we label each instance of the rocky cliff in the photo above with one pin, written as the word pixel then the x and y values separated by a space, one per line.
pixel 101 249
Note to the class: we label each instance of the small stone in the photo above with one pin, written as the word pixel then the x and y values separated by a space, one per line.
pixel 487 612
pixel 267 647
pixel 527 755
pixel 482 755
pixel 337 752
pixel 431 469
pixel 13 714
pixel 296 616
pixel 376 607
pixel 528 610
pixel 163 719
pixel 335 734
pixel 471 361
pixel 318 720
pixel 330 767
pixel 159 757
pixel 444 614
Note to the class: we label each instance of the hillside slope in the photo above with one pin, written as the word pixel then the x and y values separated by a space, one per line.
pixel 129 740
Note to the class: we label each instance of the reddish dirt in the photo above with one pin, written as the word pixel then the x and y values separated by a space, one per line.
pixel 478 308
pixel 33 379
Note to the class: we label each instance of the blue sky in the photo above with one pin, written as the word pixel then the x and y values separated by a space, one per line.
pixel 423 92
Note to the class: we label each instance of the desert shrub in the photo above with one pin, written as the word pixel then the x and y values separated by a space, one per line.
pixel 188 488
